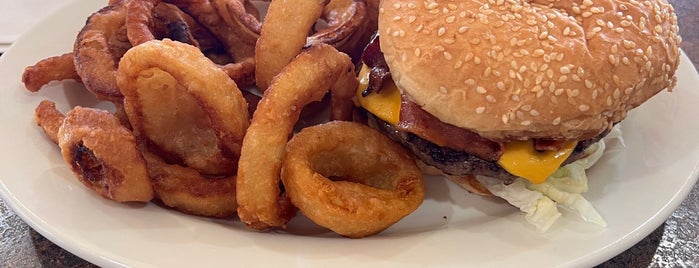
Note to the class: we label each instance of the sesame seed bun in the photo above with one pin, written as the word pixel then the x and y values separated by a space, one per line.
pixel 518 70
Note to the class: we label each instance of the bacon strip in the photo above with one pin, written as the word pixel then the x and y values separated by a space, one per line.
pixel 415 120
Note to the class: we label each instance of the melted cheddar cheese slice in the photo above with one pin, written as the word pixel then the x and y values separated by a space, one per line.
pixel 519 157
pixel 522 160
pixel 384 104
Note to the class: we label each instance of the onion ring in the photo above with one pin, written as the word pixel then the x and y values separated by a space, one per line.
pixel 104 156
pixel 55 68
pixel 188 191
pixel 97 50
pixel 283 33
pixel 188 110
pixel 379 182
pixel 303 80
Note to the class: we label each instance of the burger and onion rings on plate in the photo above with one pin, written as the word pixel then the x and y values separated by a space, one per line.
pixel 507 98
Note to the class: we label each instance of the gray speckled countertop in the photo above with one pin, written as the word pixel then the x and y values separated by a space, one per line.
pixel 673 244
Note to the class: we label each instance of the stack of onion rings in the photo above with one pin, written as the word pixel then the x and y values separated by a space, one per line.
pixel 181 132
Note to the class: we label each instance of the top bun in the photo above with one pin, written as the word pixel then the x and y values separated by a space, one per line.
pixel 530 69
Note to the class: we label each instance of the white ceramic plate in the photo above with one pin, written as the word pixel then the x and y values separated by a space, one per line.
pixel 18 16
pixel 635 187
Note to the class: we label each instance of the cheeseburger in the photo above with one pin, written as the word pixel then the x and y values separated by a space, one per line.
pixel 513 89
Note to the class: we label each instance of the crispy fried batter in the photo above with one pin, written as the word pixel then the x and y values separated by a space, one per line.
pixel 304 80
pixel 55 68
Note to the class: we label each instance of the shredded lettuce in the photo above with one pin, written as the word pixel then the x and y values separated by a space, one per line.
pixel 540 210
pixel 565 188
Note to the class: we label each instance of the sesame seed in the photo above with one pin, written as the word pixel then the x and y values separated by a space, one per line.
pixel 462 29
pixel 556 121
pixel 441 31
pixel 490 98
pixel 458 64
pixel 481 90
pixel 565 69
pixel 447 55
pixel 616 79
pixel 417 52
pixel 534 112
pixel 411 19
pixel 583 107
pixel 501 85
pixel 480 110
pixel 470 82
pixel 526 122
pixel 588 84
pixel 419 28
pixel 450 19
pixel 469 56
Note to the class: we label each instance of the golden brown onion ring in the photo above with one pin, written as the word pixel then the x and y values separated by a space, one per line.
pixel 350 178
pixel 189 111
pixel 304 80
pixel 55 68
pixel 284 31
pixel 188 191
pixel 97 50
pixel 103 155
